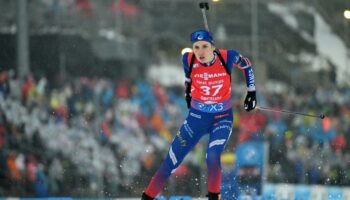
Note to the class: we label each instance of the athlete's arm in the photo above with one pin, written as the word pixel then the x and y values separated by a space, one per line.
pixel 237 60
pixel 234 59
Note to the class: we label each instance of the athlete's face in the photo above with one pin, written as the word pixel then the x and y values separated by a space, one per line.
pixel 204 51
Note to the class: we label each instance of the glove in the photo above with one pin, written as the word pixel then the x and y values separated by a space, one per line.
pixel 250 101
pixel 188 96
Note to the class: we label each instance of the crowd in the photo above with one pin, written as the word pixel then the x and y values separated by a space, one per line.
pixel 105 138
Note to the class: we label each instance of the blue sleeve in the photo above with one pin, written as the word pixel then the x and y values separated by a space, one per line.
pixel 236 59
pixel 186 66
pixel 249 78
pixel 232 59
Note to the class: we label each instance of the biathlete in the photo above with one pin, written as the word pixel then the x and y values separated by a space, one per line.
pixel 208 97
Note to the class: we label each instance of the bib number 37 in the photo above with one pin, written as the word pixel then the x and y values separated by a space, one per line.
pixel 211 90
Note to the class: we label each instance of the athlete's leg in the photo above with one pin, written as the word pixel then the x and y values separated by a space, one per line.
pixel 189 134
pixel 218 138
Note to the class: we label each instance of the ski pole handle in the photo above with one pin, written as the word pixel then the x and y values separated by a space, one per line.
pixel 204 6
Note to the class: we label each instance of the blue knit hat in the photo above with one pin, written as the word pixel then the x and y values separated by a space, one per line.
pixel 201 35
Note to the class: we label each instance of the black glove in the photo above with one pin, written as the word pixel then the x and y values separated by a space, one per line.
pixel 250 101
pixel 188 96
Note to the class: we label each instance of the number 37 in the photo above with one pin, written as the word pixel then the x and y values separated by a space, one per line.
pixel 207 90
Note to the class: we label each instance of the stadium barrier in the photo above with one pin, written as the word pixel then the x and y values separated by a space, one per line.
pixel 270 192
pixel 304 192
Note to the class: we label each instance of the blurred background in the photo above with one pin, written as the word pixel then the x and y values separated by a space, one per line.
pixel 91 93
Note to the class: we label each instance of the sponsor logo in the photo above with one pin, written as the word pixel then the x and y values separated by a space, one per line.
pixel 181 139
pixel 196 116
pixel 188 129
pixel 250 154
pixel 251 78
pixel 221 127
pixel 216 107
pixel 221 116
pixel 207 76
pixel 210 107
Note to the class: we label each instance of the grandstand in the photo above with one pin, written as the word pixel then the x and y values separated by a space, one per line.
pixel 86 119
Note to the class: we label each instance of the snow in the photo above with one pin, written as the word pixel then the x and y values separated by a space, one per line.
pixel 289 18
pixel 328 44
pixel 332 47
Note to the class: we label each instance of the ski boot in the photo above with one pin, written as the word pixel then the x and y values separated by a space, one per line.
pixel 213 196
pixel 146 197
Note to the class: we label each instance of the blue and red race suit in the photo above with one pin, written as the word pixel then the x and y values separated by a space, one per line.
pixel 210 113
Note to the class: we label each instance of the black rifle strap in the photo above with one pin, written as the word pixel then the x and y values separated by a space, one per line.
pixel 223 62
pixel 191 65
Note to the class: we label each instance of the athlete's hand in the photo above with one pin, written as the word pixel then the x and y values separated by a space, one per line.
pixel 188 96
pixel 250 101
